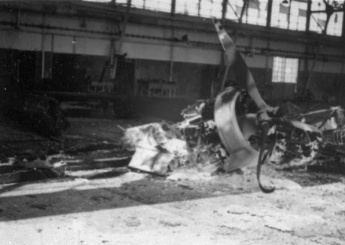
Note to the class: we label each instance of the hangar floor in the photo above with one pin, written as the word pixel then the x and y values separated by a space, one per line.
pixel 116 206
pixel 131 208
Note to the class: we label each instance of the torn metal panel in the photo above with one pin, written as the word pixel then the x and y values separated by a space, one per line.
pixel 156 145
pixel 326 119
pixel 241 152
pixel 151 160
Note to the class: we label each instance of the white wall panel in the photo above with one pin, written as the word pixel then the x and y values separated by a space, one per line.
pixel 260 43
pixel 47 42
pixel 92 46
pixel 240 41
pixel 257 61
pixel 146 51
pixel 63 44
pixel 194 55
pixel 136 50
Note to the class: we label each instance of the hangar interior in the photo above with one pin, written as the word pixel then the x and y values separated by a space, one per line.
pixel 82 46
pixel 87 85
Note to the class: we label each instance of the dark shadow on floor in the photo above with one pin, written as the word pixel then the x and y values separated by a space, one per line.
pixel 11 187
pixel 148 191
pixel 90 197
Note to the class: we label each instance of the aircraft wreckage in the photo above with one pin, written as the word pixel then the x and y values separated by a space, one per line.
pixel 220 132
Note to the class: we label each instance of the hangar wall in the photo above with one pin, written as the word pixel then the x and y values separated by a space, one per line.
pixel 187 47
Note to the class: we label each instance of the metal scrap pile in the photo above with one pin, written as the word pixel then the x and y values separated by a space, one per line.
pixel 158 147
pixel 36 112
pixel 201 134
pixel 211 139
pixel 318 143
pixel 223 134
pixel 294 139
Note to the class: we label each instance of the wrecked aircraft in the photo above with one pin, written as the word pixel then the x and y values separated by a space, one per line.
pixel 221 132
pixel 217 134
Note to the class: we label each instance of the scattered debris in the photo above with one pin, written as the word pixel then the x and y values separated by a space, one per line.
pixel 36 112
pixel 185 186
pixel 281 229
pixel 216 135
pixel 222 132
pixel 169 223
pixel 157 145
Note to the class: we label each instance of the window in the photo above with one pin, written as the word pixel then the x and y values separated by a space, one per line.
pixel 318 19
pixel 298 16
pixel 291 16
pixel 187 7
pixel 122 2
pixel 201 8
pixel 285 70
pixel 101 1
pixel 155 5
pixel 255 13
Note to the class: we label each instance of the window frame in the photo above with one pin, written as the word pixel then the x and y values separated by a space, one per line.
pixel 281 67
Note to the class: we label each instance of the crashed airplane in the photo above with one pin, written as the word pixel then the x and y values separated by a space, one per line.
pixel 223 134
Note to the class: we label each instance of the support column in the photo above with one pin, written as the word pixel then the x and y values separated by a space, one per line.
pixel 308 16
pixel 343 30
pixel 269 13
pixel 171 70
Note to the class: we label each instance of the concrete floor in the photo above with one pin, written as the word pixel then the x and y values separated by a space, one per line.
pixel 134 208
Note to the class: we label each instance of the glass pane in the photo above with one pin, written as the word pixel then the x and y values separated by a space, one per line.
pixel 278 71
pixel 201 8
pixel 211 8
pixel 298 16
pixel 156 5
pixel 285 70
pixel 255 13
pixel 292 16
pixel 138 3
pixel 188 7
pixel 280 14
pixel 318 20
pixel 101 1
pixel 122 2
pixel 234 9
pixel 335 24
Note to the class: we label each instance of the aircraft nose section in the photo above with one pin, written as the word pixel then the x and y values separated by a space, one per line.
pixel 233 139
